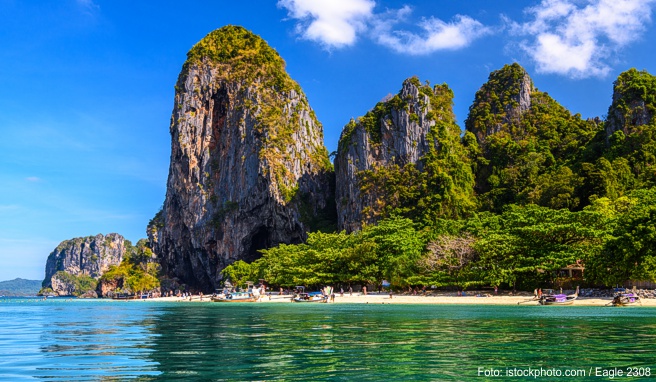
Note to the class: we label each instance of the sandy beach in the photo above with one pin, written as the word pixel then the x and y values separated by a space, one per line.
pixel 444 298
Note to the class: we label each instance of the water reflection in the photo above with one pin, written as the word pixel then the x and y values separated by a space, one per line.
pixel 223 342
pixel 343 342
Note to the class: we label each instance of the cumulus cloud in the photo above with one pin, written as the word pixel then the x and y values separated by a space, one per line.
pixel 338 23
pixel 333 23
pixel 577 38
pixel 437 34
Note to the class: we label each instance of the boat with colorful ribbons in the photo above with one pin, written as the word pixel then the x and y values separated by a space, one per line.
pixel 626 299
pixel 559 299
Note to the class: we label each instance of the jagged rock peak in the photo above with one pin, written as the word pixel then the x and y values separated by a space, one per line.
pixel 395 132
pixel 83 256
pixel 502 100
pixel 248 166
pixel 634 102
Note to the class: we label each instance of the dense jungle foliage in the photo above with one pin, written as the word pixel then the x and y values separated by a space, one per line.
pixel 550 189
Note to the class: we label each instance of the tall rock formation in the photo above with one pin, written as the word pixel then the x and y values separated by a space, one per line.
pixel 630 137
pixel 634 102
pixel 500 102
pixel 248 166
pixel 411 136
pixel 83 256
pixel 526 143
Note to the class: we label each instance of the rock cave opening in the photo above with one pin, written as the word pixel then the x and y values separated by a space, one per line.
pixel 259 240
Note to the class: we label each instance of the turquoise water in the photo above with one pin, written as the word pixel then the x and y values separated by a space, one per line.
pixel 60 340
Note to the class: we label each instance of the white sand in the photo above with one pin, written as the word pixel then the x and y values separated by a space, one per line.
pixel 442 298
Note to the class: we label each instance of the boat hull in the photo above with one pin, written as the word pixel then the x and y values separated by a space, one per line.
pixel 626 301
pixel 250 299
pixel 566 302
pixel 323 299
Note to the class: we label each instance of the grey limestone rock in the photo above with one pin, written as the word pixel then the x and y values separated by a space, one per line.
pixel 248 166
pixel 90 256
pixel 398 136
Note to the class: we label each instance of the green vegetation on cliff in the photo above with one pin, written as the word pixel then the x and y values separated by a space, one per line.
pixel 552 190
pixel 268 94
pixel 440 185
pixel 530 146
pixel 632 131
pixel 138 272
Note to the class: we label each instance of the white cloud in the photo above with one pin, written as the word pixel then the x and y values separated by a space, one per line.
pixel 437 34
pixel 338 23
pixel 333 23
pixel 577 38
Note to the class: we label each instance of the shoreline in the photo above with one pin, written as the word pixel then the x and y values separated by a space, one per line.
pixel 443 299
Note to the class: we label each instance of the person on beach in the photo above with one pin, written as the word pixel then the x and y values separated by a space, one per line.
pixel 341 292
pixel 496 289
pixel 350 291
pixel 364 290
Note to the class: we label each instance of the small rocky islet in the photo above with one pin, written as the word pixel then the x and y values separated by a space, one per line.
pixel 249 170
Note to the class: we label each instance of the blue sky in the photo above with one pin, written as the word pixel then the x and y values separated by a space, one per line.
pixel 86 86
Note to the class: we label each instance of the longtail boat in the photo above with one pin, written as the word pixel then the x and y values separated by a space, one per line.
pixel 626 299
pixel 302 296
pixel 559 299
pixel 310 297
pixel 236 297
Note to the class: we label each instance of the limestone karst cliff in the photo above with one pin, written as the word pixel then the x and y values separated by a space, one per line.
pixel 413 138
pixel 528 144
pixel 83 256
pixel 248 170
pixel 500 102
pixel 634 103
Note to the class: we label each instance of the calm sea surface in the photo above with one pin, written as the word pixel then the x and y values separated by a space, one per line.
pixel 108 340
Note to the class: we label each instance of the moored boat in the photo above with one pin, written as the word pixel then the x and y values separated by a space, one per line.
pixel 229 294
pixel 236 297
pixel 302 296
pixel 559 299
pixel 124 296
pixel 626 299
pixel 310 297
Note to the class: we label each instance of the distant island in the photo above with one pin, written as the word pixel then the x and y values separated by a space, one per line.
pixel 19 287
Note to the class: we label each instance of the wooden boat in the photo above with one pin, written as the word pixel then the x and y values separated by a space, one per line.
pixel 124 296
pixel 310 297
pixel 626 299
pixel 236 297
pixel 229 294
pixel 559 299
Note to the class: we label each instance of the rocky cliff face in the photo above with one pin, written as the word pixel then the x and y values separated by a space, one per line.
pixel 90 256
pixel 526 141
pixel 397 132
pixel 634 102
pixel 501 101
pixel 248 166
